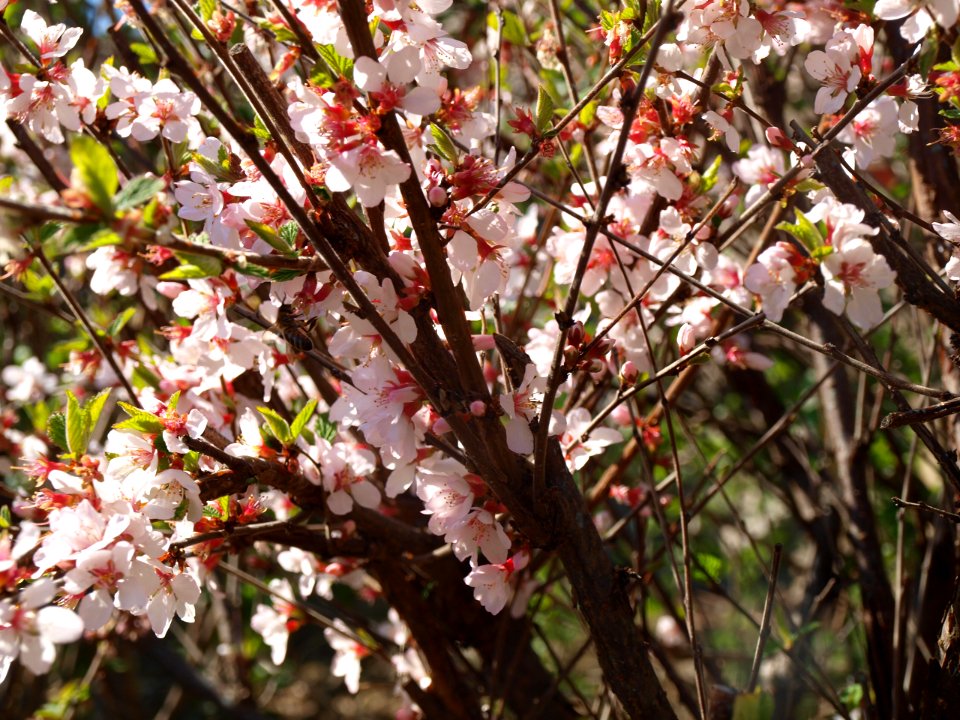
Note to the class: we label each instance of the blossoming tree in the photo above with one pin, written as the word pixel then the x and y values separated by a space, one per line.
pixel 550 358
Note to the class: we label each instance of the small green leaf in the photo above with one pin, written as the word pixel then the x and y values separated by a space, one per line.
pixel 279 427
pixel 96 169
pixel 443 144
pixel 822 253
pixel 513 30
pixel 120 321
pixel 804 231
pixel 101 238
pixel 95 406
pixel 260 130
pixel 139 420
pixel 288 233
pixel 710 176
pixel 852 696
pixel 145 54
pixel 137 191
pixel 588 113
pixel 79 426
pixel 545 109
pixel 337 62
pixel 754 706
pixel 57 430
pixel 173 401
pixel 207 8
pixel 271 237
pixel 300 421
pixel 5 516
pixel 194 265
pixel 326 429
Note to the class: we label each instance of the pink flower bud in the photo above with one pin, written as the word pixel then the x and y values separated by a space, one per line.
pixel 806 161
pixel 478 408
pixel 575 334
pixel 483 342
pixel 605 346
pixel 629 373
pixel 776 138
pixel 621 415
pixel 686 338
pixel 437 196
pixel 440 427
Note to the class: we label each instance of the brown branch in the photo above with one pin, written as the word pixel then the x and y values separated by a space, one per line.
pixel 767 616
pixel 924 507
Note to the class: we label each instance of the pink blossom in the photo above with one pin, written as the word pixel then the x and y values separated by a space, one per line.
pixel 347 654
pixel 344 469
pixel 521 406
pixel 368 171
pixel 30 628
pixel 854 274
pixel 836 68
pixel 491 583
pixel 921 15
pixel 772 277
pixel 52 41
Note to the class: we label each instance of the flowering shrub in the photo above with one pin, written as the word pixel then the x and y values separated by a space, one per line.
pixel 441 326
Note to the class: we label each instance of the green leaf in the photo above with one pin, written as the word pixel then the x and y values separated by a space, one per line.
pixel 710 176
pixel 139 420
pixel 5 516
pixel 95 406
pixel 143 378
pixel 443 144
pixel 173 401
pixel 753 706
pixel 101 238
pixel 300 421
pixel 288 233
pixel 137 191
pixel 194 265
pixel 513 30
pixel 804 231
pixel 852 696
pixel 207 8
pixel 57 430
pixel 79 426
pixel 545 109
pixel 326 429
pixel 145 54
pixel 96 169
pixel 271 237
pixel 260 130
pixel 337 62
pixel 822 253
pixel 120 321
pixel 588 113
pixel 279 427
pixel 712 567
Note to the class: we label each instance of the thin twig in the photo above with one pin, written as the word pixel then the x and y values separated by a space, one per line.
pixel 767 616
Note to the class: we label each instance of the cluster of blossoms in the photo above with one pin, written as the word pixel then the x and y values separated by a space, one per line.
pixel 105 529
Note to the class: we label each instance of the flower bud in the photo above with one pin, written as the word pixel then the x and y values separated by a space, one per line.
pixel 437 196
pixel 604 346
pixel 575 334
pixel 440 426
pixel 776 137
pixel 629 373
pixel 478 408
